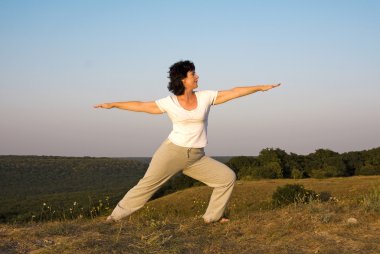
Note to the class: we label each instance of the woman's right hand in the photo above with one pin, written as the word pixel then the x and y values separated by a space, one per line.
pixel 104 105
pixel 137 106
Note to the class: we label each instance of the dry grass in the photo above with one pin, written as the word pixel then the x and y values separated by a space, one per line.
pixel 172 224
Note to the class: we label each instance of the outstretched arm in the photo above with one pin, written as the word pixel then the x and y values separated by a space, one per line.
pixel 224 96
pixel 138 106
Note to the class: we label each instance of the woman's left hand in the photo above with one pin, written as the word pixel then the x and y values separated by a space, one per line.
pixel 268 87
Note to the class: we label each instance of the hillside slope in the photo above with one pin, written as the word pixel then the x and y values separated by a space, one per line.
pixel 28 182
pixel 172 224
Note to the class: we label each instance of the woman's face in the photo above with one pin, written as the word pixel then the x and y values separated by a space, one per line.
pixel 191 81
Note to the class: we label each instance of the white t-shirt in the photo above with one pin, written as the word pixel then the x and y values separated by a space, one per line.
pixel 189 126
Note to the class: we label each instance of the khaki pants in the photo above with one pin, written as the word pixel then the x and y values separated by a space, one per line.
pixel 168 160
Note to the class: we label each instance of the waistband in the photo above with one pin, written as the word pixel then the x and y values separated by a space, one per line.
pixel 168 142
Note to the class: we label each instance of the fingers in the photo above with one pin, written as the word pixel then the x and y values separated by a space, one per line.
pixel 268 87
pixel 100 106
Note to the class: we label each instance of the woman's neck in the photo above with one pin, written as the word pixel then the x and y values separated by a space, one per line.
pixel 188 100
pixel 187 95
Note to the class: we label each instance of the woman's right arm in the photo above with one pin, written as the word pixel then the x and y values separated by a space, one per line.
pixel 137 106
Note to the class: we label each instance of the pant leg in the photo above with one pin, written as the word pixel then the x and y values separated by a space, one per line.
pixel 166 162
pixel 217 175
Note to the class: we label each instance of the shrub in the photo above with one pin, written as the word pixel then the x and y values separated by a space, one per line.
pixel 292 193
pixel 246 173
pixel 328 171
pixel 240 162
pixel 296 173
pixel 368 170
pixel 269 171
pixel 371 201
pixel 324 196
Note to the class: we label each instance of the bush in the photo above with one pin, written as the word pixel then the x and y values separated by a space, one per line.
pixel 328 171
pixel 246 173
pixel 368 170
pixel 296 173
pixel 240 164
pixel 324 196
pixel 292 193
pixel 371 201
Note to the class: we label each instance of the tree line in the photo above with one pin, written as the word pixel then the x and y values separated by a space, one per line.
pixel 276 163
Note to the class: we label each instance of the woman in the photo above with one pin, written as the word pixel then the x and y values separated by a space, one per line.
pixel 184 148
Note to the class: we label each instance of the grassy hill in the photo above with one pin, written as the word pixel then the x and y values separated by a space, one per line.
pixel 46 187
pixel 172 224
pixel 27 182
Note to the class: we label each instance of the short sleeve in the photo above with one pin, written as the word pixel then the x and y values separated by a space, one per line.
pixel 163 103
pixel 210 96
pixel 214 95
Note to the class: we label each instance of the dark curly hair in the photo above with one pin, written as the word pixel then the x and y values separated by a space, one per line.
pixel 177 72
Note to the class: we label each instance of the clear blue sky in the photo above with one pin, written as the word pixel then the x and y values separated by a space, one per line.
pixel 58 58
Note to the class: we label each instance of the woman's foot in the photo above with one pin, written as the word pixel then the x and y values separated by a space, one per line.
pixel 222 220
pixel 110 220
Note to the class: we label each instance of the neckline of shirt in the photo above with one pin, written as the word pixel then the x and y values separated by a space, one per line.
pixel 179 105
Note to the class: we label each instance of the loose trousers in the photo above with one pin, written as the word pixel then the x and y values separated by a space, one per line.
pixel 168 160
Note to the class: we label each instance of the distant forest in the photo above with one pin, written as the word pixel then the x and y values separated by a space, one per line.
pixel 31 184
pixel 276 163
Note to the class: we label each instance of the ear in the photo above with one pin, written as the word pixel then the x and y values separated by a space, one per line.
pixel 183 81
pixel 187 74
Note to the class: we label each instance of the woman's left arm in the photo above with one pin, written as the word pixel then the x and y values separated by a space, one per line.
pixel 227 95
